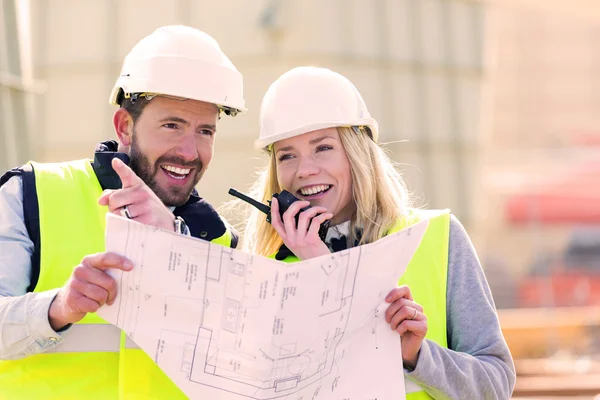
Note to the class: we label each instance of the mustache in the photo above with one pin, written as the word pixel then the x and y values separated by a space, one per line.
pixel 197 163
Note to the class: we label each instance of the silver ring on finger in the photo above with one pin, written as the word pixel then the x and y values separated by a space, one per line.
pixel 415 314
pixel 125 212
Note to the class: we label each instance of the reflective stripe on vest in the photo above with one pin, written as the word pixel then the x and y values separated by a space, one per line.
pixel 89 338
pixel 413 390
pixel 426 275
pixel 84 365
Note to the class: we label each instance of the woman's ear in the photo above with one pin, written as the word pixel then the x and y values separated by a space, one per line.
pixel 123 124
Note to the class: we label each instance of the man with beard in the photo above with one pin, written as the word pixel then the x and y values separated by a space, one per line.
pixel 174 86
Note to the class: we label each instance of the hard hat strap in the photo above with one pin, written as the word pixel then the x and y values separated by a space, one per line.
pixel 149 96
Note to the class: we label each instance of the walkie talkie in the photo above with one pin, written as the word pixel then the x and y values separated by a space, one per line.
pixel 285 200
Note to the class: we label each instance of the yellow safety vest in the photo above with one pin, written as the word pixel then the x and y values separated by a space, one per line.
pixel 95 360
pixel 426 275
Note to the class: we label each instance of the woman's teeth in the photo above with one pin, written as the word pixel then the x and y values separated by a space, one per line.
pixel 309 191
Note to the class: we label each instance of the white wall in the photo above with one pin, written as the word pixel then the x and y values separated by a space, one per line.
pixel 418 64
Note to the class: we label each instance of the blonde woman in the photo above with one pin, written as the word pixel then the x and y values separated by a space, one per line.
pixel 322 147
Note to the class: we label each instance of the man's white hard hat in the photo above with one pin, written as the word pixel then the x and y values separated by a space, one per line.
pixel 183 62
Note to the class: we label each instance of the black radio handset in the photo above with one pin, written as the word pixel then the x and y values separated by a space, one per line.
pixel 285 200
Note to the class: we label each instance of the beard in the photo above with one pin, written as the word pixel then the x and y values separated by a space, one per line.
pixel 171 196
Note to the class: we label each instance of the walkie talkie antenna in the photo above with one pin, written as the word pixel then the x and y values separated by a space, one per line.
pixel 262 207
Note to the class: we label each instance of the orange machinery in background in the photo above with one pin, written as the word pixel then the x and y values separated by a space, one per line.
pixel 571 278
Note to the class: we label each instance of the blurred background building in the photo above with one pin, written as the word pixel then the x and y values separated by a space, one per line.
pixel 419 65
pixel 492 108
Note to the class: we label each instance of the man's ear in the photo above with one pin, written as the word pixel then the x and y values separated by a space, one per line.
pixel 123 124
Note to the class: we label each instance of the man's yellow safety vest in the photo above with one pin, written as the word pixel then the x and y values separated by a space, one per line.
pixel 95 360
pixel 426 276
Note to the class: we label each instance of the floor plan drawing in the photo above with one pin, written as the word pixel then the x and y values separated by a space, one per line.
pixel 221 322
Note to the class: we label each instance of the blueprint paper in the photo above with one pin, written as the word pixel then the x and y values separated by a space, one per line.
pixel 225 324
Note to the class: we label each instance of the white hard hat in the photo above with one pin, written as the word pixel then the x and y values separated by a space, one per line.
pixel 184 62
pixel 306 99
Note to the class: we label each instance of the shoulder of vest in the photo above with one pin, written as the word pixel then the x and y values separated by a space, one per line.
pixel 414 216
pixel 204 222
pixel 18 171
pixel 54 167
pixel 31 212
pixel 422 214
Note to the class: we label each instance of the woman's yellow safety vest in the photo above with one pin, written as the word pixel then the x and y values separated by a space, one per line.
pixel 426 276
pixel 95 360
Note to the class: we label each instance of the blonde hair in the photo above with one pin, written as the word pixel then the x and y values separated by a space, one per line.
pixel 378 191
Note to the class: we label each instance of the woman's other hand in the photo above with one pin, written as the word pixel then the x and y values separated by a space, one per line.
pixel 406 317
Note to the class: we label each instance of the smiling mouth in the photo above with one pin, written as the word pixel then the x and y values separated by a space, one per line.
pixel 314 190
pixel 175 172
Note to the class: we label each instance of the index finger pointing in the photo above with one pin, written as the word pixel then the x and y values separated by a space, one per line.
pixel 103 261
pixel 128 177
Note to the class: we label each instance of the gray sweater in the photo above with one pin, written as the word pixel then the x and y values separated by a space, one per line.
pixel 477 364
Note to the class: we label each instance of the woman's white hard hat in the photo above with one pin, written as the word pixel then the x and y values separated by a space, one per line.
pixel 306 99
